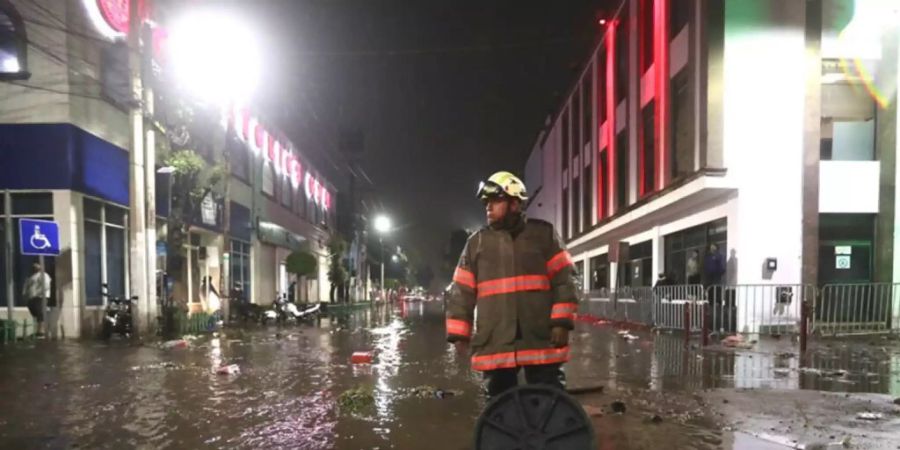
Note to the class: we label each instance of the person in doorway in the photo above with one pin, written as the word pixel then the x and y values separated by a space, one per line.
pixel 714 266
pixel 518 275
pixel 211 296
pixel 292 292
pixel 36 292
pixel 693 268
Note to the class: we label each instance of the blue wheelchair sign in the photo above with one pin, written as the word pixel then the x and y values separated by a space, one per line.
pixel 38 237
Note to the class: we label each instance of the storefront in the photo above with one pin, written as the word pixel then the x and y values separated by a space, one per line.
pixel 62 173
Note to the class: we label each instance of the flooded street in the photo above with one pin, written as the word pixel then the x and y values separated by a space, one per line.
pixel 286 395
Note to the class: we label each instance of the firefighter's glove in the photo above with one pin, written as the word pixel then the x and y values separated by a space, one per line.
pixel 559 336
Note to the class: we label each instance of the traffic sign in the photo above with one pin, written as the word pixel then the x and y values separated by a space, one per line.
pixel 38 237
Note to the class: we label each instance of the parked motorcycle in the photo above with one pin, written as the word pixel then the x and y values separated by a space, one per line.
pixel 118 316
pixel 282 310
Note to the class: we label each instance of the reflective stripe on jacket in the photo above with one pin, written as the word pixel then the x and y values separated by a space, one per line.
pixel 522 285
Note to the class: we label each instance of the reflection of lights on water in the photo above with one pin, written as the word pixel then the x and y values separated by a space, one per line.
pixel 215 352
pixel 387 353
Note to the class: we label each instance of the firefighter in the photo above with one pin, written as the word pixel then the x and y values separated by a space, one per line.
pixel 521 280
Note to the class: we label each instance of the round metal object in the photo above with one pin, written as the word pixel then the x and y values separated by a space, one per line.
pixel 534 417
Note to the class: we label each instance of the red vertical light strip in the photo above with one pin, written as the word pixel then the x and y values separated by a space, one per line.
pixel 611 110
pixel 601 177
pixel 640 123
pixel 661 63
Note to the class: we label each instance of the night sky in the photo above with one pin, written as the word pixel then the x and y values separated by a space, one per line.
pixel 446 92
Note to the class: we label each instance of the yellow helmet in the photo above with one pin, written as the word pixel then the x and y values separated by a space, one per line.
pixel 502 184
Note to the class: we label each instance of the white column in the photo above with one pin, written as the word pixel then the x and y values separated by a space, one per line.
pixel 895 303
pixel 69 276
pixel 149 305
pixel 137 269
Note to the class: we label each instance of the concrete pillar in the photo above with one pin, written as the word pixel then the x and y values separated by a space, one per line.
pixel 68 213
pixel 812 124
pixel 886 153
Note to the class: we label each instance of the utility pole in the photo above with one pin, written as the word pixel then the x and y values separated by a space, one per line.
pixel 137 167
pixel 150 177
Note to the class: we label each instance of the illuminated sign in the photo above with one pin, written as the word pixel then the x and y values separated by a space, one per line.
pixel 110 17
pixel 279 154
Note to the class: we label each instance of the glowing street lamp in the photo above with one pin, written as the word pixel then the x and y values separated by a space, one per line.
pixel 214 56
pixel 382 227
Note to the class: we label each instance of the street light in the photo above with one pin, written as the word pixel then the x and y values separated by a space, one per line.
pixel 214 55
pixel 382 227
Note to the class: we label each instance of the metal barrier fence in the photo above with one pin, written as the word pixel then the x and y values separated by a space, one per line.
pixel 767 309
pixel 862 308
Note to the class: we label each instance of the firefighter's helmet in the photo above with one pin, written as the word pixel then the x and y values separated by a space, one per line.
pixel 502 184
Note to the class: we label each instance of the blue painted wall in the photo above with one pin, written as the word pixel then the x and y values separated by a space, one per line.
pixel 62 156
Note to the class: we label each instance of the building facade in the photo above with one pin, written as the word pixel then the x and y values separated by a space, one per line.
pixel 64 156
pixel 765 127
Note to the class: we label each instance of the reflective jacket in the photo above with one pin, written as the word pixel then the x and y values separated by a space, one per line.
pixel 521 281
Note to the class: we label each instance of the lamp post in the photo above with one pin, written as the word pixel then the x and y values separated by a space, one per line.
pixel 382 226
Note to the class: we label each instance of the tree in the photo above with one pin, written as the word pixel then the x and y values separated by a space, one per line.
pixel 301 263
pixel 337 272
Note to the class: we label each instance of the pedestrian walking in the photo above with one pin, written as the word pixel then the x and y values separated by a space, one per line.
pixel 693 268
pixel 714 266
pixel 518 275
pixel 36 292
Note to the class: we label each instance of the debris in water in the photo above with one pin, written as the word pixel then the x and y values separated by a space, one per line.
pixel 178 343
pixel 426 391
pixel 361 358
pixel 269 394
pixel 897 401
pixel 781 372
pixel 593 411
pixel 869 416
pixel 656 419
pixel 231 369
pixel 737 341
pixel 810 370
pixel 355 400
pixel 190 337
pixel 585 390
pixel 618 407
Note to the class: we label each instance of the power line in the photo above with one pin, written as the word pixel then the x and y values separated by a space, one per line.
pixel 446 50
pixel 56 91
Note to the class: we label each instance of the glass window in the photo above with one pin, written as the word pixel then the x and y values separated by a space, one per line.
pixel 93 263
pixel 33 203
pixel 115 215
pixel 565 140
pixel 268 180
pixel 565 213
pixel 240 158
pixel 681 152
pixel 622 171
pixel 647 28
pixel 685 251
pixel 576 201
pixel 648 156
pixel 601 85
pixel 13 44
pixel 587 116
pixel 115 260
pixel 92 209
pixel 848 123
pixel 602 202
pixel 2 256
pixel 679 16
pixel 600 272
pixel 622 57
pixel 286 192
pixel 587 197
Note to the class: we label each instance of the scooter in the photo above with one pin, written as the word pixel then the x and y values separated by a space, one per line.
pixel 283 310
pixel 118 317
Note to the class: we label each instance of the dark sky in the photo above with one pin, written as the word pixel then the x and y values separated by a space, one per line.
pixel 447 92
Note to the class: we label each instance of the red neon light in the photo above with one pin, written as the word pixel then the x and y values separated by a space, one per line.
pixel 661 66
pixel 611 106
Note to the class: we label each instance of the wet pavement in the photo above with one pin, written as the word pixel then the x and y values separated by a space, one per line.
pixel 291 380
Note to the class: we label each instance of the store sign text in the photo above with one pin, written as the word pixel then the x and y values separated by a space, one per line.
pixel 279 154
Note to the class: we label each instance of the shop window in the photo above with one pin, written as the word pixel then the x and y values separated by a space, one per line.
pixel 685 251
pixel 622 173
pixel 566 155
pixel 587 117
pixel 2 254
pixel 681 152
pixel 648 155
pixel 576 126
pixel 638 269
pixel 240 158
pixel 578 276
pixel 105 251
pixel 599 272
pixel 32 204
pixel 13 44
pixel 240 267
pixel 576 201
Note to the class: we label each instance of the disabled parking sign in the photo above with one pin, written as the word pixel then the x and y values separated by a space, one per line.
pixel 38 237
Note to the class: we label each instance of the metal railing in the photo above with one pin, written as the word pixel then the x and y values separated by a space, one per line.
pixel 862 308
